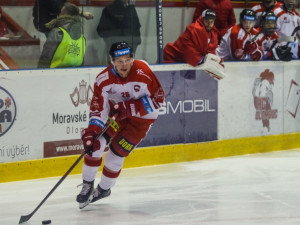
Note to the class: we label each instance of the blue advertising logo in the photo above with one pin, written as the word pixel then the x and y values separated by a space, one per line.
pixel 8 111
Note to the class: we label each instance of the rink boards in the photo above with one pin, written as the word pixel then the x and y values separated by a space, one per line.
pixel 255 109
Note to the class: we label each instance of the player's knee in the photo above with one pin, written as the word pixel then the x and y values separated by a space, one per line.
pixel 113 162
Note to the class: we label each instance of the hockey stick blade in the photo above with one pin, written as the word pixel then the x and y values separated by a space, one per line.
pixel 287 39
pixel 27 217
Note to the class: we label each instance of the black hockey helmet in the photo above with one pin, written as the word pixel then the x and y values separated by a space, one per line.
pixel 268 22
pixel 209 14
pixel 290 5
pixel 119 49
pixel 247 14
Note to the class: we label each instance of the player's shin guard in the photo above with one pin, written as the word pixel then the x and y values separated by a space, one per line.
pixel 90 167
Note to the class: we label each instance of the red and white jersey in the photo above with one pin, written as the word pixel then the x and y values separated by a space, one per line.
pixel 141 84
pixel 260 8
pixel 286 21
pixel 233 42
pixel 267 42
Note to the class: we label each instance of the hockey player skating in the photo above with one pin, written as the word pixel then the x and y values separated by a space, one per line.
pixel 131 89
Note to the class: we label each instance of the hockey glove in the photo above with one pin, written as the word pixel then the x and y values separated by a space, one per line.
pixel 126 109
pixel 250 48
pixel 214 66
pixel 282 53
pixel 90 143
pixel 256 56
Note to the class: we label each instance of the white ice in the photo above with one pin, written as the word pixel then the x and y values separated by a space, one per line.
pixel 259 189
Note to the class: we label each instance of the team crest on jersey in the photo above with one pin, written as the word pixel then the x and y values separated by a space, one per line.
pixel 286 20
pixel 137 88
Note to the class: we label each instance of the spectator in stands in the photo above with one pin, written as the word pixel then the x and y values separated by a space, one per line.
pixel 268 39
pixel 195 42
pixel 288 22
pixel 46 10
pixel 239 41
pixel 266 5
pixel 225 17
pixel 4 31
pixel 3 26
pixel 119 22
pixel 65 45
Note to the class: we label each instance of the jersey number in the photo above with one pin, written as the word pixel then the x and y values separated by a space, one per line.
pixel 125 94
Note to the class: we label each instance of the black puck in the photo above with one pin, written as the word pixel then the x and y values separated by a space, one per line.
pixel 46 221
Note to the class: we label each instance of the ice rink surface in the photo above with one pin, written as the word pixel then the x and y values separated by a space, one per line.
pixel 260 189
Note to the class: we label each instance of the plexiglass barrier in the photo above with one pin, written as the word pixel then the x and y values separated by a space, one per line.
pixel 35 33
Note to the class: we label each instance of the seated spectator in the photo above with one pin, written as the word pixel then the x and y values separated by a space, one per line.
pixel 239 41
pixel 268 39
pixel 199 39
pixel 65 45
pixel 46 10
pixel 288 20
pixel 4 31
pixel 266 5
pixel 225 17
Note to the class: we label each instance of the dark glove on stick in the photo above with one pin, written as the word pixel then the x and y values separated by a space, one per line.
pixel 282 53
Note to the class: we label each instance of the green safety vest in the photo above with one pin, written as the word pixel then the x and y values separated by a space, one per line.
pixel 69 52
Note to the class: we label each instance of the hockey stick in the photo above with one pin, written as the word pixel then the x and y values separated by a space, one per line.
pixel 287 39
pixel 27 217
pixel 293 33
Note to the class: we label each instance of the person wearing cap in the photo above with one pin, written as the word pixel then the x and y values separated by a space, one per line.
pixel 198 39
pixel 239 42
pixel 225 16
pixel 129 88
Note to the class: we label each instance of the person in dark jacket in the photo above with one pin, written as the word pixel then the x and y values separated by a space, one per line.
pixel 65 45
pixel 119 22
pixel 46 10
pixel 225 14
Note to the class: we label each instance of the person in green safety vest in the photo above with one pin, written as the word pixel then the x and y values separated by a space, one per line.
pixel 65 45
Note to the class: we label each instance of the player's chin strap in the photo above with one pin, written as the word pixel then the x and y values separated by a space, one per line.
pixel 214 66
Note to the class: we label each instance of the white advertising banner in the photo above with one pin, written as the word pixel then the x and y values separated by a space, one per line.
pixel 259 98
pixel 42 112
pixel 51 105
pixel 291 98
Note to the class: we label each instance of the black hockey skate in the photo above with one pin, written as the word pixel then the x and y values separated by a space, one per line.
pixel 85 196
pixel 100 193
